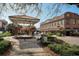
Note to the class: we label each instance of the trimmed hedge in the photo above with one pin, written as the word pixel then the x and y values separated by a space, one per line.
pixel 7 34
pixel 50 34
pixel 75 33
pixel 49 40
pixel 4 45
pixel 1 39
pixel 65 49
pixel 4 34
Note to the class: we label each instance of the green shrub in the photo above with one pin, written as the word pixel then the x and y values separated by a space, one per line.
pixel 60 46
pixel 75 33
pixel 70 51
pixel 56 47
pixel 51 38
pixel 59 41
pixel 67 52
pixel 4 45
pixel 55 40
pixel 59 33
pixel 48 40
pixel 64 49
pixel 75 49
pixel 49 34
pixel 50 45
pixel 6 34
pixel 1 39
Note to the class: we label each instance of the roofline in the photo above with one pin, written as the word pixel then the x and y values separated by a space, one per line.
pixel 62 16
pixel 15 16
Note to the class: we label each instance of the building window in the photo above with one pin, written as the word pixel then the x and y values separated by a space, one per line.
pixel 73 21
pixel 52 24
pixel 62 22
pixel 77 21
pixel 68 22
pixel 58 23
pixel 68 14
pixel 55 23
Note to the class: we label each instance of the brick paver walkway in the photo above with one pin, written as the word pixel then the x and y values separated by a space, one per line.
pixel 27 47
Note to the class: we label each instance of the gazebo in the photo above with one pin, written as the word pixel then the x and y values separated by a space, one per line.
pixel 27 23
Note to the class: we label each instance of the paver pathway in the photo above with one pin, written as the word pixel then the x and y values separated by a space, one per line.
pixel 27 47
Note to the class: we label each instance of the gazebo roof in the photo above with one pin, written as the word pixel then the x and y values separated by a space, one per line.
pixel 22 16
pixel 23 19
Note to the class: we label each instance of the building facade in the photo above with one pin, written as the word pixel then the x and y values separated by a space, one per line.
pixel 67 21
pixel 3 24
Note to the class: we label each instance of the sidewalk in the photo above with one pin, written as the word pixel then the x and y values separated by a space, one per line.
pixel 70 39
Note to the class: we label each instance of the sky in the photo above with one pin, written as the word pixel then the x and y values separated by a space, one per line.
pixel 45 8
